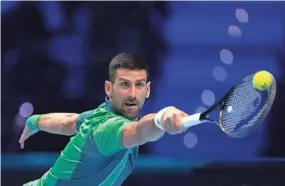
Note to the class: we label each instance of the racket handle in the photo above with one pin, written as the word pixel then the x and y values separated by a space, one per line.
pixel 192 120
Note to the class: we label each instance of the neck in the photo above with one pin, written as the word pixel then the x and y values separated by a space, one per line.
pixel 117 111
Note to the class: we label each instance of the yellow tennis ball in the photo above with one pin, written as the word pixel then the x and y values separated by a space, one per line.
pixel 262 80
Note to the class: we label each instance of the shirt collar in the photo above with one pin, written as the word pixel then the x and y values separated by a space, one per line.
pixel 109 107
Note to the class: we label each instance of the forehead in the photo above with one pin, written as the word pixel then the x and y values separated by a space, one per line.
pixel 131 75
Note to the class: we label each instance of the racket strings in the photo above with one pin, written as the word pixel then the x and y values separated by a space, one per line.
pixel 245 107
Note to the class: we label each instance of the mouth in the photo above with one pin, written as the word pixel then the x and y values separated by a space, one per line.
pixel 128 104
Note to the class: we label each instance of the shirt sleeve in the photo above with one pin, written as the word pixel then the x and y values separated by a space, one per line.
pixel 108 135
pixel 82 117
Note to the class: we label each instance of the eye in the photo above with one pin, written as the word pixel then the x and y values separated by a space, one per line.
pixel 125 84
pixel 140 84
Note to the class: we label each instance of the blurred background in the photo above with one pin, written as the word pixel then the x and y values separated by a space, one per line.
pixel 55 57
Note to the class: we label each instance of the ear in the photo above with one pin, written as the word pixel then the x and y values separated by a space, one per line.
pixel 148 90
pixel 108 88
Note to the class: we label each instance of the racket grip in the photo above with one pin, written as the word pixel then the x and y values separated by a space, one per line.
pixel 191 120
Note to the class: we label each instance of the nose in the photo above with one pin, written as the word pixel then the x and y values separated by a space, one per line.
pixel 132 92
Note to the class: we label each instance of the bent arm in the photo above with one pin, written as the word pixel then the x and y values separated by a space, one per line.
pixel 141 132
pixel 58 123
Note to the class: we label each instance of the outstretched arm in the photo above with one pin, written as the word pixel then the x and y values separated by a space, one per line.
pixel 146 130
pixel 114 135
pixel 55 123
pixel 58 123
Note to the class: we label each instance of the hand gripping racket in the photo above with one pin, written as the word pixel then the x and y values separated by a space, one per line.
pixel 242 109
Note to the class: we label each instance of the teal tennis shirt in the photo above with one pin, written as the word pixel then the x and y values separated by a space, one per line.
pixel 95 155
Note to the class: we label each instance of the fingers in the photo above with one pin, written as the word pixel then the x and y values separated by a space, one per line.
pixel 172 121
pixel 170 125
pixel 22 140
pixel 25 135
pixel 22 145
pixel 180 123
pixel 183 114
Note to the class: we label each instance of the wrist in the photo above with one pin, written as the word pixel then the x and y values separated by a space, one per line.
pixel 32 122
pixel 158 118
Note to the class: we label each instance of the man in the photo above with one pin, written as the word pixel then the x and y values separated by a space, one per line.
pixel 106 143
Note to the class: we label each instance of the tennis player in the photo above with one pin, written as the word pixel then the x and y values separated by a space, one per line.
pixel 105 142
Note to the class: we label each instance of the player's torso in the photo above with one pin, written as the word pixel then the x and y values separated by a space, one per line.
pixel 81 163
pixel 86 167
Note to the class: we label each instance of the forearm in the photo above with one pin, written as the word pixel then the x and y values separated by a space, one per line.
pixel 58 123
pixel 141 132
pixel 147 130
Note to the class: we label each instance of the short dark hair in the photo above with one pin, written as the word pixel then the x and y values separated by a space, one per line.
pixel 126 60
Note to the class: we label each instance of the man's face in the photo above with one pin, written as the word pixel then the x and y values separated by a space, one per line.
pixel 128 92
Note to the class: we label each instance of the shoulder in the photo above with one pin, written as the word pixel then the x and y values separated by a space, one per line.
pixel 107 131
pixel 103 118
pixel 111 121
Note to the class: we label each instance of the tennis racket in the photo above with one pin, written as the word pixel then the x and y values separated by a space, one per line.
pixel 242 109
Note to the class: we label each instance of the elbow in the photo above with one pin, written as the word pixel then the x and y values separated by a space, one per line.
pixel 68 126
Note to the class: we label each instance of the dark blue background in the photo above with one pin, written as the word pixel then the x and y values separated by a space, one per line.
pixel 55 55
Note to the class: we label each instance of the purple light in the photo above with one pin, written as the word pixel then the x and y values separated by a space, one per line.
pixel 234 31
pixel 190 140
pixel 242 15
pixel 19 123
pixel 26 109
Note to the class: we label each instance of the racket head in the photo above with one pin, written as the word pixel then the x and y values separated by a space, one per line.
pixel 244 108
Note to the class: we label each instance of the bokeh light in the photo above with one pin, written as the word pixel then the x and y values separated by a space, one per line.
pixel 242 15
pixel 19 123
pixel 219 73
pixel 234 31
pixel 190 140
pixel 200 109
pixel 226 56
pixel 208 97
pixel 26 109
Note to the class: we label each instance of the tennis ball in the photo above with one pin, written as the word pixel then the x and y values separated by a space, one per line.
pixel 262 80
